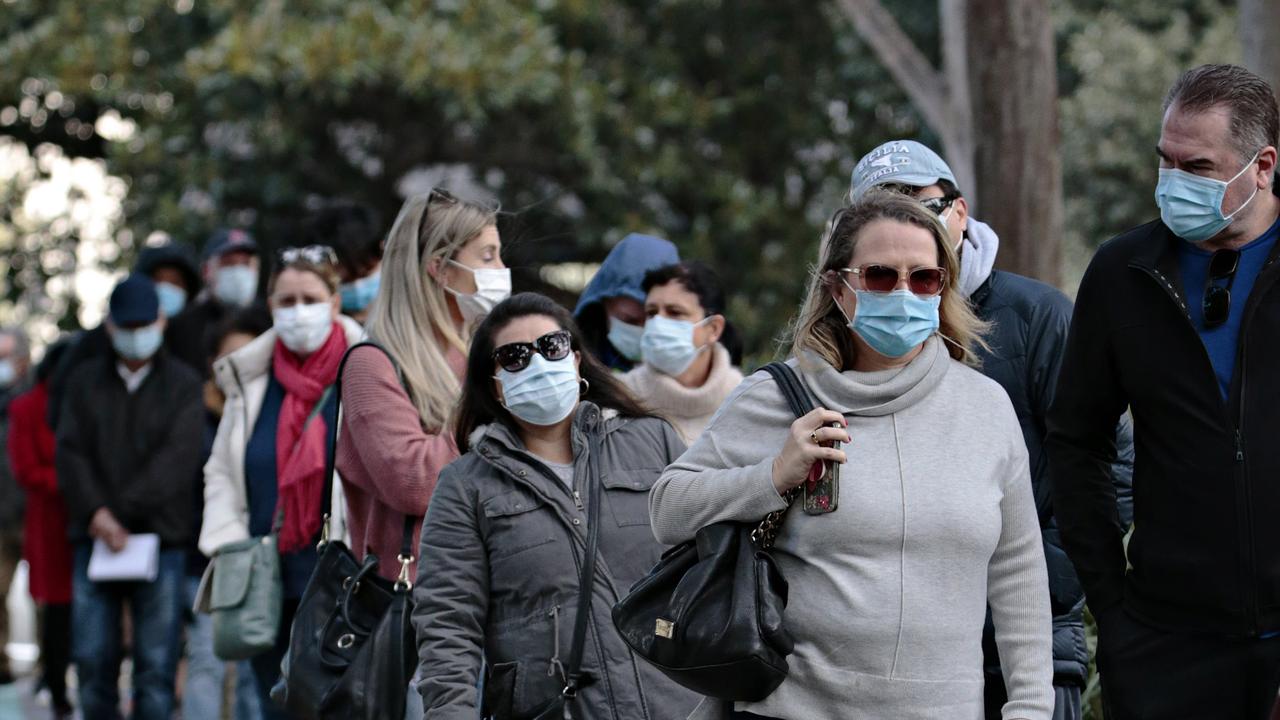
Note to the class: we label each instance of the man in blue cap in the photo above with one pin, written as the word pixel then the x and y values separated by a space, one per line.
pixel 231 268
pixel 1029 322
pixel 127 445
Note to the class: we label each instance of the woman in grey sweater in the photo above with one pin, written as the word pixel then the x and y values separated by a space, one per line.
pixel 934 517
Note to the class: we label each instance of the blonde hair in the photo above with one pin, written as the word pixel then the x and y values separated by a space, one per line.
pixel 410 316
pixel 821 327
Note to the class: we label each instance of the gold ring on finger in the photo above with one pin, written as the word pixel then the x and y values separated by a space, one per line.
pixel 814 437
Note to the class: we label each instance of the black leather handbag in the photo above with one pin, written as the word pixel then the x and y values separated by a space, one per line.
pixel 351 649
pixel 709 615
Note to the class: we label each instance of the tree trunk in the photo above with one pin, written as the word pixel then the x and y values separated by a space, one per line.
pixel 1014 93
pixel 941 100
pixel 1259 20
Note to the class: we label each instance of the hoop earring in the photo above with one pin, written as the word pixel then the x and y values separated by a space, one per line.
pixel 585 385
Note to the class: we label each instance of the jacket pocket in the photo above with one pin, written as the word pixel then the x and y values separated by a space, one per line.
pixel 500 689
pixel 627 492
pixel 517 521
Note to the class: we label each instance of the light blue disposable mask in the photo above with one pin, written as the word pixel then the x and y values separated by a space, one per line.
pixel 138 344
pixel 894 323
pixel 667 344
pixel 544 393
pixel 625 338
pixel 8 373
pixel 1191 205
pixel 235 285
pixel 172 299
pixel 359 294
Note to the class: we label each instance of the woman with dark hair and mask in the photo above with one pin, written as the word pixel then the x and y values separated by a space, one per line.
pixel 690 350
pixel 269 455
pixel 506 532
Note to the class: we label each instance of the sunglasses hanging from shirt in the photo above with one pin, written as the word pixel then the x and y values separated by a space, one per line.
pixel 1217 298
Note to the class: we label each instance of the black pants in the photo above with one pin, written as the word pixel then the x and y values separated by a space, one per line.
pixel 1151 674
pixel 266 667
pixel 55 650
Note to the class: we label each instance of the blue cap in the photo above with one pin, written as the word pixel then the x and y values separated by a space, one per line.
pixel 898 162
pixel 134 302
pixel 227 240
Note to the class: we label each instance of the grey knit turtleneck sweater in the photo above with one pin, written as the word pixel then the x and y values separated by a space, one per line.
pixel 888 594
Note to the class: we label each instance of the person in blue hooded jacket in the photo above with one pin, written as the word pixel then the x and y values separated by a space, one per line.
pixel 610 311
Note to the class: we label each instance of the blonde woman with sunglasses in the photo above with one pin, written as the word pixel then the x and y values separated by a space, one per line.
pixel 914 507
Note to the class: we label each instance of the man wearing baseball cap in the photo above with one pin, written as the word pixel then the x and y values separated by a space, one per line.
pixel 127 444
pixel 231 266
pixel 1029 322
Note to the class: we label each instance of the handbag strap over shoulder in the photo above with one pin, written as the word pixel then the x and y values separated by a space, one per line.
pixel 801 404
pixel 586 582
pixel 406 557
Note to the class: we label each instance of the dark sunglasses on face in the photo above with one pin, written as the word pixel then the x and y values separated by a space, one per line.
pixel 514 357
pixel 1217 299
pixel 922 281
pixel 314 254
pixel 938 205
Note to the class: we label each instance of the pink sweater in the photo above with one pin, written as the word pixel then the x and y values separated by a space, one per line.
pixel 388 463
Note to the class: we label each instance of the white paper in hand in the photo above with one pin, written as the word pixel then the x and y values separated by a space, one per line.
pixel 138 561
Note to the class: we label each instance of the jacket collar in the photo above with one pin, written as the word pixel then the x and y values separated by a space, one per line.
pixel 498 436
pixel 1158 251
pixel 253 361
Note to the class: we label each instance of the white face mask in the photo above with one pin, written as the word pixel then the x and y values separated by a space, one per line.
pixel 493 285
pixel 8 373
pixel 235 285
pixel 303 328
pixel 667 344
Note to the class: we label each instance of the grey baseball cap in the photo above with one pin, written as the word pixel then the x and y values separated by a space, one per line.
pixel 899 162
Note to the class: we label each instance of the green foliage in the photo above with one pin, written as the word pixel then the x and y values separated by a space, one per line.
pixel 729 127
pixel 1122 60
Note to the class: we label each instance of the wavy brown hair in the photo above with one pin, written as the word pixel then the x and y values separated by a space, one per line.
pixel 480 405
pixel 823 330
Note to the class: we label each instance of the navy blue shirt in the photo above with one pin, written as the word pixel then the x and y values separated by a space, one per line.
pixel 262 489
pixel 1223 341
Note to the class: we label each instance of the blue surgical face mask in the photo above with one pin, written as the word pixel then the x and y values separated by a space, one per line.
pixel 359 294
pixel 8 373
pixel 172 299
pixel 894 323
pixel 139 343
pixel 544 393
pixel 625 338
pixel 667 344
pixel 235 285
pixel 1191 205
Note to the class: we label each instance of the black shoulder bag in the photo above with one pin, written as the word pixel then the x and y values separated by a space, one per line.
pixel 709 615
pixel 574 679
pixel 351 649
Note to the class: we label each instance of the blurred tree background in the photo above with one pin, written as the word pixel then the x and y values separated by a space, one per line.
pixel 729 126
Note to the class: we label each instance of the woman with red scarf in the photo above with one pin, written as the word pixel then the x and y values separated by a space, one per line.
pixel 270 451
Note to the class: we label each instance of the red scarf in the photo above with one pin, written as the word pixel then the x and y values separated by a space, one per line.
pixel 300 457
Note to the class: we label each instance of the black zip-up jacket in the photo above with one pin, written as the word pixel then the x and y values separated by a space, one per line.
pixel 1205 549
pixel 1029 324
pixel 134 454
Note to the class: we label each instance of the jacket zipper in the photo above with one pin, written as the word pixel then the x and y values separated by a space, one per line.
pixel 1251 600
pixel 1251 595
pixel 556 668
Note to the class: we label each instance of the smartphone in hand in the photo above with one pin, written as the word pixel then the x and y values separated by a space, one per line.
pixel 822 494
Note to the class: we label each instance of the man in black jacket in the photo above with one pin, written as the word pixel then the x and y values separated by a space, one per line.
pixel 128 443
pixel 1179 321
pixel 1029 322
pixel 231 269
